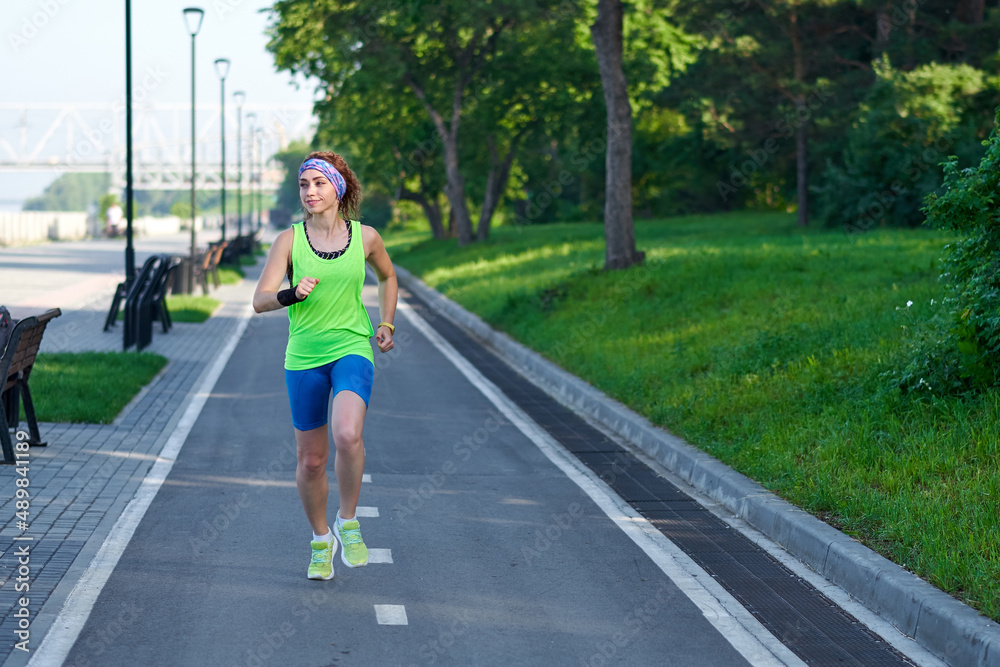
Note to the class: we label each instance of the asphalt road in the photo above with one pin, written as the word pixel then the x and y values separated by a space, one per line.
pixel 497 556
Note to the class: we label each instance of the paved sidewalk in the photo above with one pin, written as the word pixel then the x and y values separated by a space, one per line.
pixel 86 476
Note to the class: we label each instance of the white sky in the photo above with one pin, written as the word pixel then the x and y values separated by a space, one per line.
pixel 73 51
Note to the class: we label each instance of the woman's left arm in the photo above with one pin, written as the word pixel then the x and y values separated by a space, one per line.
pixel 388 289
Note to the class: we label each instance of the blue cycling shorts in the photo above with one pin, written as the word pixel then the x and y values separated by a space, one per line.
pixel 309 390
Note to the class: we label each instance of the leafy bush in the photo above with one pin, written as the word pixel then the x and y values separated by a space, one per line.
pixel 908 124
pixel 960 348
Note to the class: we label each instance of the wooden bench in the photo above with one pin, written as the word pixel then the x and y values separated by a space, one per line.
pixel 235 247
pixel 241 245
pixel 209 266
pixel 16 362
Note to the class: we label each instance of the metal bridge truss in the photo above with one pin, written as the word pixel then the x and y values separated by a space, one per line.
pixel 91 138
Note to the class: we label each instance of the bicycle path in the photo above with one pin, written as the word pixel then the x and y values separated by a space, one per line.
pixel 215 573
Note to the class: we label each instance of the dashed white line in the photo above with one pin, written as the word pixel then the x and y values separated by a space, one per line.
pixel 380 555
pixel 366 512
pixel 366 478
pixel 391 614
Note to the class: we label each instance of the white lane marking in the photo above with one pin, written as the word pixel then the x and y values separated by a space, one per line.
pixel 380 555
pixel 391 614
pixel 366 478
pixel 722 610
pixel 59 640
pixel 366 512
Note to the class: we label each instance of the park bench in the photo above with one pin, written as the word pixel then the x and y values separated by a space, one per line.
pixel 209 266
pixel 145 302
pixel 241 245
pixel 160 312
pixel 16 362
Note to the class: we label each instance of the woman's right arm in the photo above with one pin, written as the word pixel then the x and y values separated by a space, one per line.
pixel 265 297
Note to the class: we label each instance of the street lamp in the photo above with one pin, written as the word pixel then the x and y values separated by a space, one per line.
pixel 252 117
pixel 240 98
pixel 260 177
pixel 222 69
pixel 129 247
pixel 192 19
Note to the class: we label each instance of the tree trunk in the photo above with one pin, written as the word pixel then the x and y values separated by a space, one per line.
pixel 619 233
pixel 802 118
pixel 910 61
pixel 431 207
pixel 971 11
pixel 802 166
pixel 433 212
pixel 883 26
pixel 495 184
pixel 455 187
pixel 455 191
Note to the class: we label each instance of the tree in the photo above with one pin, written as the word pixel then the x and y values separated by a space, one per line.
pixel 383 132
pixel 563 168
pixel 288 200
pixel 772 76
pixel 907 125
pixel 70 192
pixel 443 53
pixel 619 233
pixel 542 81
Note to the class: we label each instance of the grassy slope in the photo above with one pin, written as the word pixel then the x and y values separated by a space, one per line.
pixel 763 345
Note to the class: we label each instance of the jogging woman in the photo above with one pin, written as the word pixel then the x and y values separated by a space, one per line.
pixel 328 348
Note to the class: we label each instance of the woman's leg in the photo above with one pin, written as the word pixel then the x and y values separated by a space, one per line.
pixel 347 422
pixel 313 452
pixel 308 393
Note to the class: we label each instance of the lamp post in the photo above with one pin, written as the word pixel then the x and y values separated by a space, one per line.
pixel 129 248
pixel 192 19
pixel 240 97
pixel 260 177
pixel 222 69
pixel 252 117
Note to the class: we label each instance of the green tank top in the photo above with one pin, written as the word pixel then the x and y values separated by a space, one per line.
pixel 332 322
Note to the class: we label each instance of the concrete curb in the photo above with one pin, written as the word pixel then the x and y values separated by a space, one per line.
pixel 953 631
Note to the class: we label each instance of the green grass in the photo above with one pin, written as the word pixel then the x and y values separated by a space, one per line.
pixel 230 275
pixel 187 308
pixel 763 344
pixel 191 308
pixel 89 387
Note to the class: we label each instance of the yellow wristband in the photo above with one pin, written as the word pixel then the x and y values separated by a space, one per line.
pixel 392 329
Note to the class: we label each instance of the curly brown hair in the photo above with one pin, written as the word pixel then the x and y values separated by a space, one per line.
pixel 350 203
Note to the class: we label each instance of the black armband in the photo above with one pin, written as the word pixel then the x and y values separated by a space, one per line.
pixel 287 297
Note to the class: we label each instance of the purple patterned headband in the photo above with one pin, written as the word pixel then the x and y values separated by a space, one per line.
pixel 328 170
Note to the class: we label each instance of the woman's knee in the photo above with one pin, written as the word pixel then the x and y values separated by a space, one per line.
pixel 347 436
pixel 313 464
pixel 313 451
